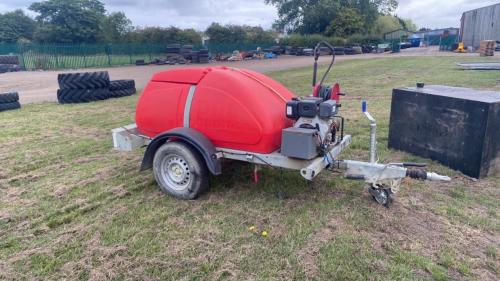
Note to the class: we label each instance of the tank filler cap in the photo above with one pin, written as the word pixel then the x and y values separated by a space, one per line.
pixel 420 85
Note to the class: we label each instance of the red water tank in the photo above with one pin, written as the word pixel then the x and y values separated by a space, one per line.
pixel 235 108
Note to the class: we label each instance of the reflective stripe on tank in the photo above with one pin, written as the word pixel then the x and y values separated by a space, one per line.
pixel 187 107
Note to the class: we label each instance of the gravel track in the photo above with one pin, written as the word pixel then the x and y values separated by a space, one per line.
pixel 40 86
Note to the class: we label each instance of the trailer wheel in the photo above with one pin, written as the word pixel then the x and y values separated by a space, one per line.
pixel 385 196
pixel 180 170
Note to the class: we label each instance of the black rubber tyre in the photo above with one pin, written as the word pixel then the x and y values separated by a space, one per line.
pixel 338 49
pixel 6 59
pixel 122 93
pixel 65 96
pixel 9 97
pixel 203 55
pixel 203 51
pixel 121 84
pixel 349 51
pixel 9 106
pixel 84 80
pixel 180 170
pixel 339 53
pixel 386 197
pixel 187 46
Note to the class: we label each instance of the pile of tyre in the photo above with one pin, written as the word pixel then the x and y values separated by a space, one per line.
pixel 91 86
pixel 186 51
pixel 195 57
pixel 300 51
pixel 9 63
pixel 354 49
pixel 9 101
pixel 203 56
pixel 324 51
pixel 121 88
pixel 276 50
pixel 339 51
pixel 173 50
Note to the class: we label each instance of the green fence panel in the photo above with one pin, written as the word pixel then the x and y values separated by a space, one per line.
pixel 76 56
pixel 446 43
pixel 395 45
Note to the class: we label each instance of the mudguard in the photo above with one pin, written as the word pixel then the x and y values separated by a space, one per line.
pixel 196 139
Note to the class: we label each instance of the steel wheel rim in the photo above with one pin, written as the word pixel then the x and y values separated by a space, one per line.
pixel 382 197
pixel 175 172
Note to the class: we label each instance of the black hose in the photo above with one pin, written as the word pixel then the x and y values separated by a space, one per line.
pixel 333 59
pixel 325 92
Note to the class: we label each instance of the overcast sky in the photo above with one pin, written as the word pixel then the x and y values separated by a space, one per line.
pixel 199 14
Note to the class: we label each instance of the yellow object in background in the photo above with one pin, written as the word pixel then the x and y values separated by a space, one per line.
pixel 252 227
pixel 264 233
pixel 460 48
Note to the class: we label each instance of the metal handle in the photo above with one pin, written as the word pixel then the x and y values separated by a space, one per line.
pixel 415 164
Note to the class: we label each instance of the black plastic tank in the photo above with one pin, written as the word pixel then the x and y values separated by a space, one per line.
pixel 458 127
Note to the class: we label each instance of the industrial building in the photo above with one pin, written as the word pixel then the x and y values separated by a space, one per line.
pixel 432 37
pixel 480 24
pixel 396 34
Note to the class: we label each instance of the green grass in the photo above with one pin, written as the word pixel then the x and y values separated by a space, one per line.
pixel 72 208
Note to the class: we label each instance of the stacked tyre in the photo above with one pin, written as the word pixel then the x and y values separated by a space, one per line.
pixel 121 88
pixel 5 59
pixel 83 87
pixel 9 101
pixel 339 51
pixel 203 55
pixel 195 57
pixel 9 63
pixel 173 50
pixel 276 50
pixel 288 50
pixel 350 51
pixel 324 51
pixel 186 51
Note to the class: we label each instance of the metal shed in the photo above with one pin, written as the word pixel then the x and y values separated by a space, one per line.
pixel 432 37
pixel 396 34
pixel 480 24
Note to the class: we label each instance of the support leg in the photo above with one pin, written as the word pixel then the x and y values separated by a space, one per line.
pixel 280 193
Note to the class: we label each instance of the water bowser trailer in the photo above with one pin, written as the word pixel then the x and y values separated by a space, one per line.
pixel 190 119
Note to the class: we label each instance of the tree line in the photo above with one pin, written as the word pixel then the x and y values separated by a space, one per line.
pixel 86 21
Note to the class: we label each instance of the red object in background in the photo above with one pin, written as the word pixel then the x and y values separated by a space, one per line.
pixel 231 109
pixel 333 96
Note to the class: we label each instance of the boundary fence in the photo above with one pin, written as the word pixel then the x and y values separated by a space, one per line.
pixel 446 43
pixel 76 56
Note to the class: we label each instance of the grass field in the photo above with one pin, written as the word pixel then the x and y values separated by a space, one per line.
pixel 72 208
